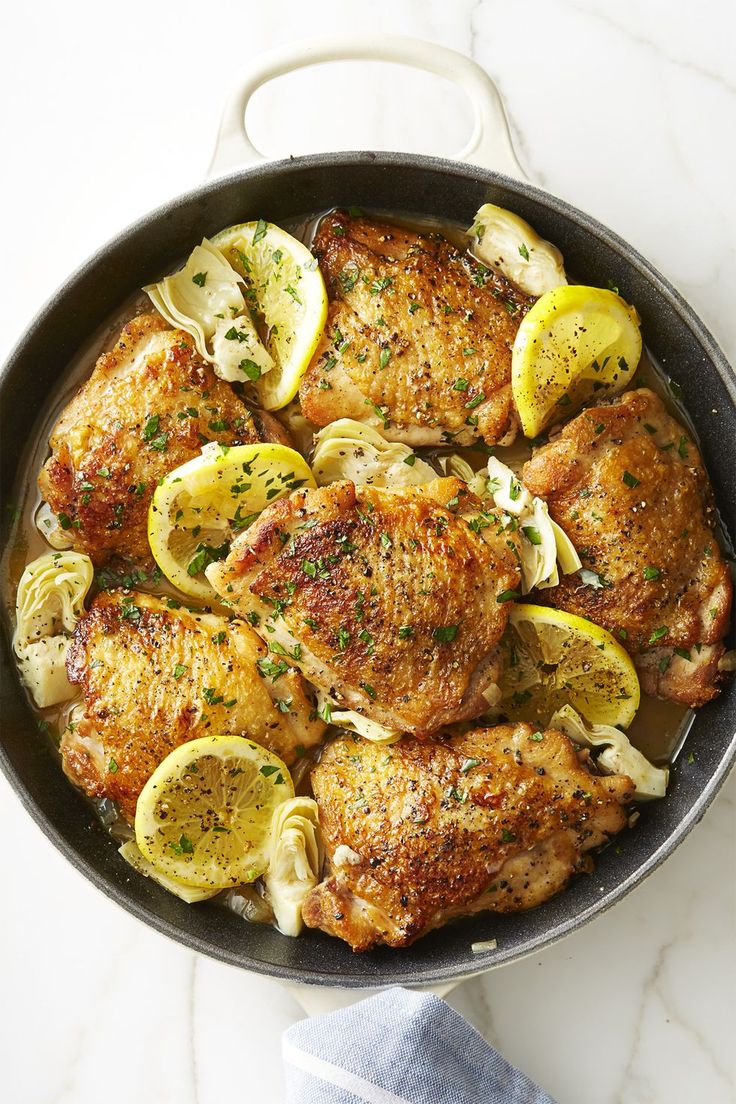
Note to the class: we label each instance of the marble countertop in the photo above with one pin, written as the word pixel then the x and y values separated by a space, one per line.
pixel 629 112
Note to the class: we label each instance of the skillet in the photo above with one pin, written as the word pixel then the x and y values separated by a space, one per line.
pixel 286 192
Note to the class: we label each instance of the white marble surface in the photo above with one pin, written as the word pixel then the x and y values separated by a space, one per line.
pixel 629 111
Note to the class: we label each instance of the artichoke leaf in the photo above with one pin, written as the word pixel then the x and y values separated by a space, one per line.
pixel 43 670
pixel 355 722
pixel 347 449
pixel 619 756
pixel 504 241
pixel 204 298
pixel 543 545
pixel 456 465
pixel 49 602
pixel 295 861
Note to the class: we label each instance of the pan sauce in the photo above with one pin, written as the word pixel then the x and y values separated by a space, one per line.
pixel 659 728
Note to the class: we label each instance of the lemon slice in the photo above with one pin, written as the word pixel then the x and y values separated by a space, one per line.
pixel 198 508
pixel 575 343
pixel 552 659
pixel 286 288
pixel 204 816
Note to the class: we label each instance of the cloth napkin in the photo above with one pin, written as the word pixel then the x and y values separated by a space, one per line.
pixel 399 1047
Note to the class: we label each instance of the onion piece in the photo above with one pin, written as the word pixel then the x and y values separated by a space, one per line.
pixel 48 526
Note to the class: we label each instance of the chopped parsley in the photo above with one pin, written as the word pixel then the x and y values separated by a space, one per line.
pixel 150 429
pixel 268 769
pixel 268 669
pixel 251 369
pixel 445 634
pixel 507 596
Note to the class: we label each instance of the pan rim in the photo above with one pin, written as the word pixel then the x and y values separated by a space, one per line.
pixel 414 974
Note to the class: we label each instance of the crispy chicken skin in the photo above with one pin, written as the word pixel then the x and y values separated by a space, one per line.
pixel 153 678
pixel 149 406
pixel 422 832
pixel 386 600
pixel 416 328
pixel 628 486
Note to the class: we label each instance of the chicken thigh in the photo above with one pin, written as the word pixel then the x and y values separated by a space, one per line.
pixel 153 677
pixel 628 486
pixel 391 602
pixel 422 832
pixel 418 339
pixel 148 407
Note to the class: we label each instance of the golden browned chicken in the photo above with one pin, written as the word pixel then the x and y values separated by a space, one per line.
pixel 628 486
pixel 420 833
pixel 392 602
pixel 149 406
pixel 153 677
pixel 418 339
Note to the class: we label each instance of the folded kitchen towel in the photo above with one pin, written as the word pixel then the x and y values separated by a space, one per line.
pixel 399 1047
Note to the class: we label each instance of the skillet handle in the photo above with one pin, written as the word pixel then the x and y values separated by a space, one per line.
pixel 490 144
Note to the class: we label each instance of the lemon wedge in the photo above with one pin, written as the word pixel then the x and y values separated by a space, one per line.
pixel 553 659
pixel 198 508
pixel 204 817
pixel 285 287
pixel 575 343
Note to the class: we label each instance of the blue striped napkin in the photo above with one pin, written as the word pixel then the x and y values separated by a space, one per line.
pixel 399 1047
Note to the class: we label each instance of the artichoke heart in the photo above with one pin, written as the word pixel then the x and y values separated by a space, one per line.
pixel 347 449
pixel 295 861
pixel 49 603
pixel 502 240
pixel 543 545
pixel 456 465
pixel 619 755
pixel 205 299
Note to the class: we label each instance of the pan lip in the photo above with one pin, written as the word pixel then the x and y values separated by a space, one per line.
pixel 443 166
pixel 412 974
